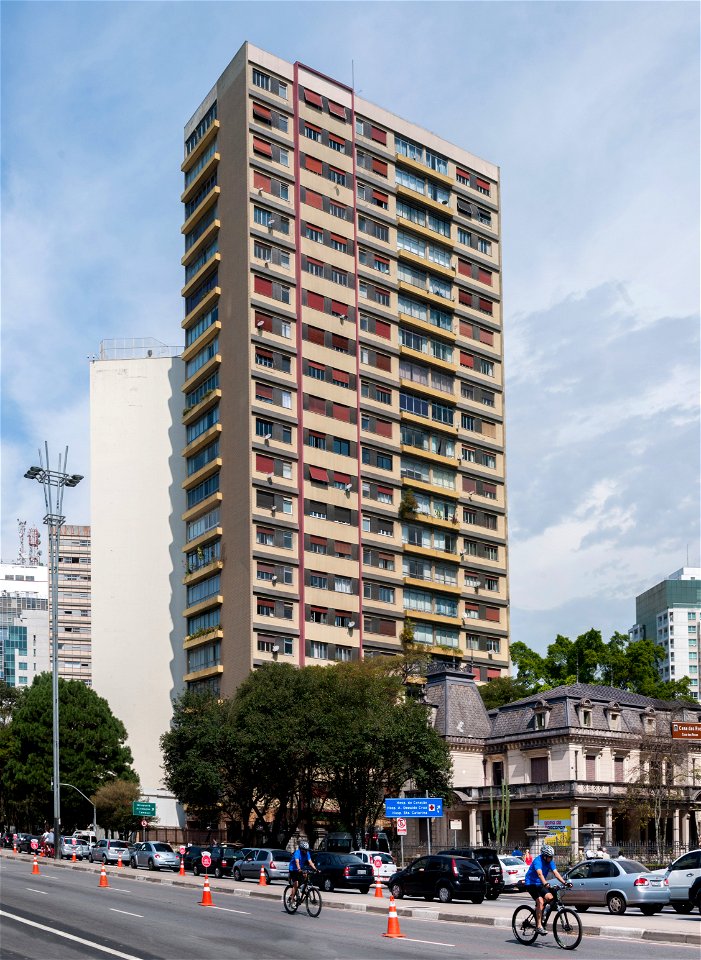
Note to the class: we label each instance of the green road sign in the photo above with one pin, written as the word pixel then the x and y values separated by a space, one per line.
pixel 140 808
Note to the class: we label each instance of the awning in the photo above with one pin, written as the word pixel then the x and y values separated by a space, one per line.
pixel 463 795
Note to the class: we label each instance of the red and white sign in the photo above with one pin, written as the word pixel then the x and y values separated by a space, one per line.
pixel 14 836
pixel 206 860
pixel 74 841
pixel 182 851
pixel 401 826
pixel 34 844
pixel 144 823
pixel 377 862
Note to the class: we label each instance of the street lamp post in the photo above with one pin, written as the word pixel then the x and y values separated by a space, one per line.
pixel 53 483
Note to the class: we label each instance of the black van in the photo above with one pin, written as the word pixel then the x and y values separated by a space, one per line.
pixel 488 859
pixel 336 843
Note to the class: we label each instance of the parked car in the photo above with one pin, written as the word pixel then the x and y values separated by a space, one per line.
pixel 488 859
pixel 514 870
pixel 24 842
pixel 388 867
pixel 82 850
pixel 109 851
pixel 192 852
pixel 223 860
pixel 441 875
pixel 683 875
pixel 341 870
pixel 6 839
pixel 155 855
pixel 616 884
pixel 274 861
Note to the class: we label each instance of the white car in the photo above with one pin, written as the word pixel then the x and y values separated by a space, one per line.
pixel 514 870
pixel 387 867
pixel 684 881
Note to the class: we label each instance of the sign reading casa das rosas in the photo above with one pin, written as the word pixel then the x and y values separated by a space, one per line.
pixel 686 731
pixel 140 808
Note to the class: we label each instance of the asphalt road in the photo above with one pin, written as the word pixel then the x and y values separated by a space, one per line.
pixel 63 915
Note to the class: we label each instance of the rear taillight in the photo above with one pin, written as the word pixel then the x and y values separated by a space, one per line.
pixel 273 865
pixel 512 871
pixel 346 871
pixel 454 865
pixel 666 882
pixel 158 856
pixel 641 882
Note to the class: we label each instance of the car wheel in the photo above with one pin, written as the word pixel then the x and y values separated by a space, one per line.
pixel 477 899
pixel 445 894
pixel 492 895
pixel 104 859
pixel 237 874
pixel 616 904
pixel 327 885
pixel 397 892
pixel 218 873
pixel 648 911
pixel 151 864
pixel 132 863
pixel 581 909
pixel 365 889
pixel 90 858
pixel 267 877
pixel 196 869
pixel 683 906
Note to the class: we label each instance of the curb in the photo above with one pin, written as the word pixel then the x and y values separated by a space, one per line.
pixel 410 912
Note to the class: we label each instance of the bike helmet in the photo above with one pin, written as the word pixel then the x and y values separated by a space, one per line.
pixel 303 844
pixel 547 851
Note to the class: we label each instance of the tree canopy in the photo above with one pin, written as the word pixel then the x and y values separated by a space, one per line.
pixel 629 665
pixel 293 747
pixel 92 752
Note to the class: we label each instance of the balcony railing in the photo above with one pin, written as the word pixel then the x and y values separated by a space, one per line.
pixel 574 789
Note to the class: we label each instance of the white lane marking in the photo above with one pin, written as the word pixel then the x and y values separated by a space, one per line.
pixel 34 890
pixel 433 943
pixel 69 936
pixel 126 912
pixel 121 890
pixel 246 913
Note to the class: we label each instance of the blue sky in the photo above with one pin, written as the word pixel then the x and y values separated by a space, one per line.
pixel 592 112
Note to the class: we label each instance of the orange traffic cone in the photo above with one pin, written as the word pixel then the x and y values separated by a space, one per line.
pixel 262 882
pixel 74 859
pixel 182 867
pixel 35 865
pixel 206 900
pixel 119 860
pixel 103 877
pixel 392 921
pixel 378 886
pixel 14 847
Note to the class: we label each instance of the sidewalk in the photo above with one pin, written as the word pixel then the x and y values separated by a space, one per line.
pixel 666 927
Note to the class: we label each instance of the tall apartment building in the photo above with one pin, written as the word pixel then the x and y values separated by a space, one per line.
pixel 74 604
pixel 343 384
pixel 670 614
pixel 24 622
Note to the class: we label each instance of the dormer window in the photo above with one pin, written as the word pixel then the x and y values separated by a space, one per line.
pixel 649 720
pixel 613 712
pixel 541 712
pixel 586 718
pixel 584 710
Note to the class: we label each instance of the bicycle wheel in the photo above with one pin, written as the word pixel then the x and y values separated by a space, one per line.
pixel 313 902
pixel 289 900
pixel 523 924
pixel 567 929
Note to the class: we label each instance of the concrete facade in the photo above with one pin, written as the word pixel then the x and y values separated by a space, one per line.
pixel 137 560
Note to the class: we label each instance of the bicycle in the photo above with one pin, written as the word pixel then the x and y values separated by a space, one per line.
pixel 567 927
pixel 307 894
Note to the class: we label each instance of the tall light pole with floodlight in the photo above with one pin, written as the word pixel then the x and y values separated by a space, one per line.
pixel 54 482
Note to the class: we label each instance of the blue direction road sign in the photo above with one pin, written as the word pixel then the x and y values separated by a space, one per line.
pixel 414 807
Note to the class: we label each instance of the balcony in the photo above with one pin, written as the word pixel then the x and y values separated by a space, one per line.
pixel 565 789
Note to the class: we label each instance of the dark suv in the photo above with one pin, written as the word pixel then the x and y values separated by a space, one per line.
pixel 489 861
pixel 443 876
pixel 223 860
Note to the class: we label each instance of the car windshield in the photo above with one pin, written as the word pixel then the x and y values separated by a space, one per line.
pixel 119 844
pixel 512 861
pixel 163 847
pixel 348 858
pixel 280 854
pixel 632 866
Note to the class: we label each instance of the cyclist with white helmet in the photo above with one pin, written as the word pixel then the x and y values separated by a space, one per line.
pixel 300 863
pixel 536 882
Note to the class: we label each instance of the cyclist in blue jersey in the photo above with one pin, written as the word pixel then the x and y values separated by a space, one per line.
pixel 536 882
pixel 300 862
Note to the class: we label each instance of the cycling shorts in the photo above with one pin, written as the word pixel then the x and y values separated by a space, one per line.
pixel 537 890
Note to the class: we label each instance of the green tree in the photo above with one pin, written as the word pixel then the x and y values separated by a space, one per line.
pixel 503 690
pixel 113 804
pixel 92 750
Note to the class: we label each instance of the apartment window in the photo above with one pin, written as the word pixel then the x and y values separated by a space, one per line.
pixel 339 276
pixel 319 580
pixel 337 176
pixel 339 243
pixel 312 132
pixel 315 267
pixel 338 210
pixel 343 584
pixel 319 650
pixel 313 233
pixel 261 80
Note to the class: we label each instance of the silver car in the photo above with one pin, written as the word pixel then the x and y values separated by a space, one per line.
pixel 275 864
pixel 109 851
pixel 79 847
pixel 616 884
pixel 155 855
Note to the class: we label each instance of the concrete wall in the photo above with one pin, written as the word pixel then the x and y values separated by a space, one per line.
pixel 137 560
